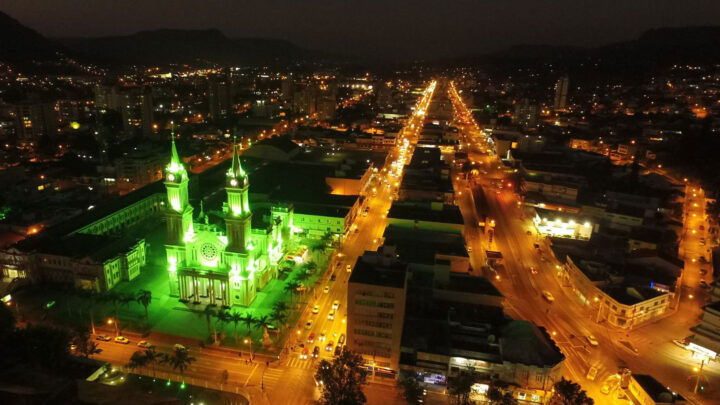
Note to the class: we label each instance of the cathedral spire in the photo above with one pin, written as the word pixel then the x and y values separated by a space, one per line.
pixel 175 158
pixel 236 170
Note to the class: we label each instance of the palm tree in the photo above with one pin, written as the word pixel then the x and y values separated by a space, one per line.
pixel 280 306
pixel 90 296
pixel 249 321
pixel 144 297
pixel 113 298
pixel 85 346
pixel 153 357
pixel 278 317
pixel 235 318
pixel 179 360
pixel 208 312
pixel 138 359
pixel 223 317
pixel 291 287
pixel 262 323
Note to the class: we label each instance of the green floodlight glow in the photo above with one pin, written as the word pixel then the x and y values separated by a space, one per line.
pixel 182 386
pixel 168 383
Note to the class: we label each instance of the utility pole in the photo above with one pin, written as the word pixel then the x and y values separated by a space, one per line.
pixel 699 376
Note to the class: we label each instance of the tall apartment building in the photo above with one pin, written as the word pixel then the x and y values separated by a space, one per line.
pixel 376 308
pixel 147 114
pixel 221 92
pixel 33 120
pixel 526 114
pixel 561 93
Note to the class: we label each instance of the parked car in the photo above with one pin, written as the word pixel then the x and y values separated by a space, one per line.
pixel 178 346
pixel 145 344
pixel 704 284
pixel 591 339
pixel 122 340
pixel 341 340
pixel 548 296
pixel 104 338
pixel 680 343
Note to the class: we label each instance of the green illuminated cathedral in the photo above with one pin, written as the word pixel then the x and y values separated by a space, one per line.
pixel 209 264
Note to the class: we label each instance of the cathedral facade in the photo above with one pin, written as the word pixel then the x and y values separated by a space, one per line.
pixel 215 264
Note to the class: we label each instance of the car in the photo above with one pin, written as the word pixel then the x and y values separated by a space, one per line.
pixel 331 315
pixel 316 309
pixel 178 346
pixel 591 339
pixel 592 373
pixel 326 289
pixel 338 349
pixel 336 304
pixel 702 241
pixel 322 337
pixel 341 340
pixel 329 346
pixel 703 272
pixel 304 353
pixel 145 344
pixel 680 343
pixel 348 268
pixel 704 284
pixel 122 340
pixel 103 338
pixel 702 228
pixel 536 245
pixel 332 278
pixel 533 270
pixel 605 389
pixel 316 352
pixel 469 248
pixel 548 296
pixel 308 324
pixel 529 233
pixel 311 338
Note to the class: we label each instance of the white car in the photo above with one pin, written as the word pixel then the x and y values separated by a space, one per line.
pixel 548 296
pixel 331 315
pixel 591 339
pixel 122 340
pixel 336 304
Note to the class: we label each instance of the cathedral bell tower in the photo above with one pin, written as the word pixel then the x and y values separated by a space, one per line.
pixel 179 210
pixel 237 220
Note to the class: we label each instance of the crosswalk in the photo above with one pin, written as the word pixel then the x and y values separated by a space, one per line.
pixel 297 362
pixel 272 376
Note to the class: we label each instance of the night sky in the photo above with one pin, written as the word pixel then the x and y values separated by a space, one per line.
pixel 411 28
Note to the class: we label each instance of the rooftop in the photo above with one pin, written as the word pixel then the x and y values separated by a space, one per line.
pixel 656 390
pixel 390 275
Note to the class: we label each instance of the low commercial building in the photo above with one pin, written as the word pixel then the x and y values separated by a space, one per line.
pixel 615 301
pixel 93 262
pixel 707 334
pixel 646 390
pixel 562 224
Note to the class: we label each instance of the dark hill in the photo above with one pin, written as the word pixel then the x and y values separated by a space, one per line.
pixel 183 46
pixel 21 45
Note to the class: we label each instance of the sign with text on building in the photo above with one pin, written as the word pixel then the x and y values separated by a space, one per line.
pixel 700 352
